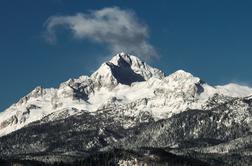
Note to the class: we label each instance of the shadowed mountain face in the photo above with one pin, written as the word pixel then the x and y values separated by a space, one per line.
pixel 123 73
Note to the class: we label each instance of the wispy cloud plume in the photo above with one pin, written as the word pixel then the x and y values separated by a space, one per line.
pixel 120 30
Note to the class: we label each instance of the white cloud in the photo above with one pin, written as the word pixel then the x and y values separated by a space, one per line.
pixel 118 29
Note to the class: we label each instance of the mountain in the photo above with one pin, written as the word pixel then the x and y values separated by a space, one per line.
pixel 127 106
pixel 83 93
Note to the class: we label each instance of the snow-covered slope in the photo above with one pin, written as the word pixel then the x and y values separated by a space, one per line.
pixel 123 86
pixel 235 90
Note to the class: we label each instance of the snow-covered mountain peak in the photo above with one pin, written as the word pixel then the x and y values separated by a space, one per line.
pixel 182 75
pixel 235 90
pixel 122 59
pixel 185 81
pixel 73 82
pixel 124 69
pixel 37 92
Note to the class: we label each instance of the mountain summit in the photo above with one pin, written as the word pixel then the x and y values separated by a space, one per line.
pixel 125 69
pixel 126 103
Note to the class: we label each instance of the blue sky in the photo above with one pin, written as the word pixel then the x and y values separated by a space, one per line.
pixel 211 39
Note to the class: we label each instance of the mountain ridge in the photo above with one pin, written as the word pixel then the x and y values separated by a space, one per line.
pixel 129 106
pixel 123 71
